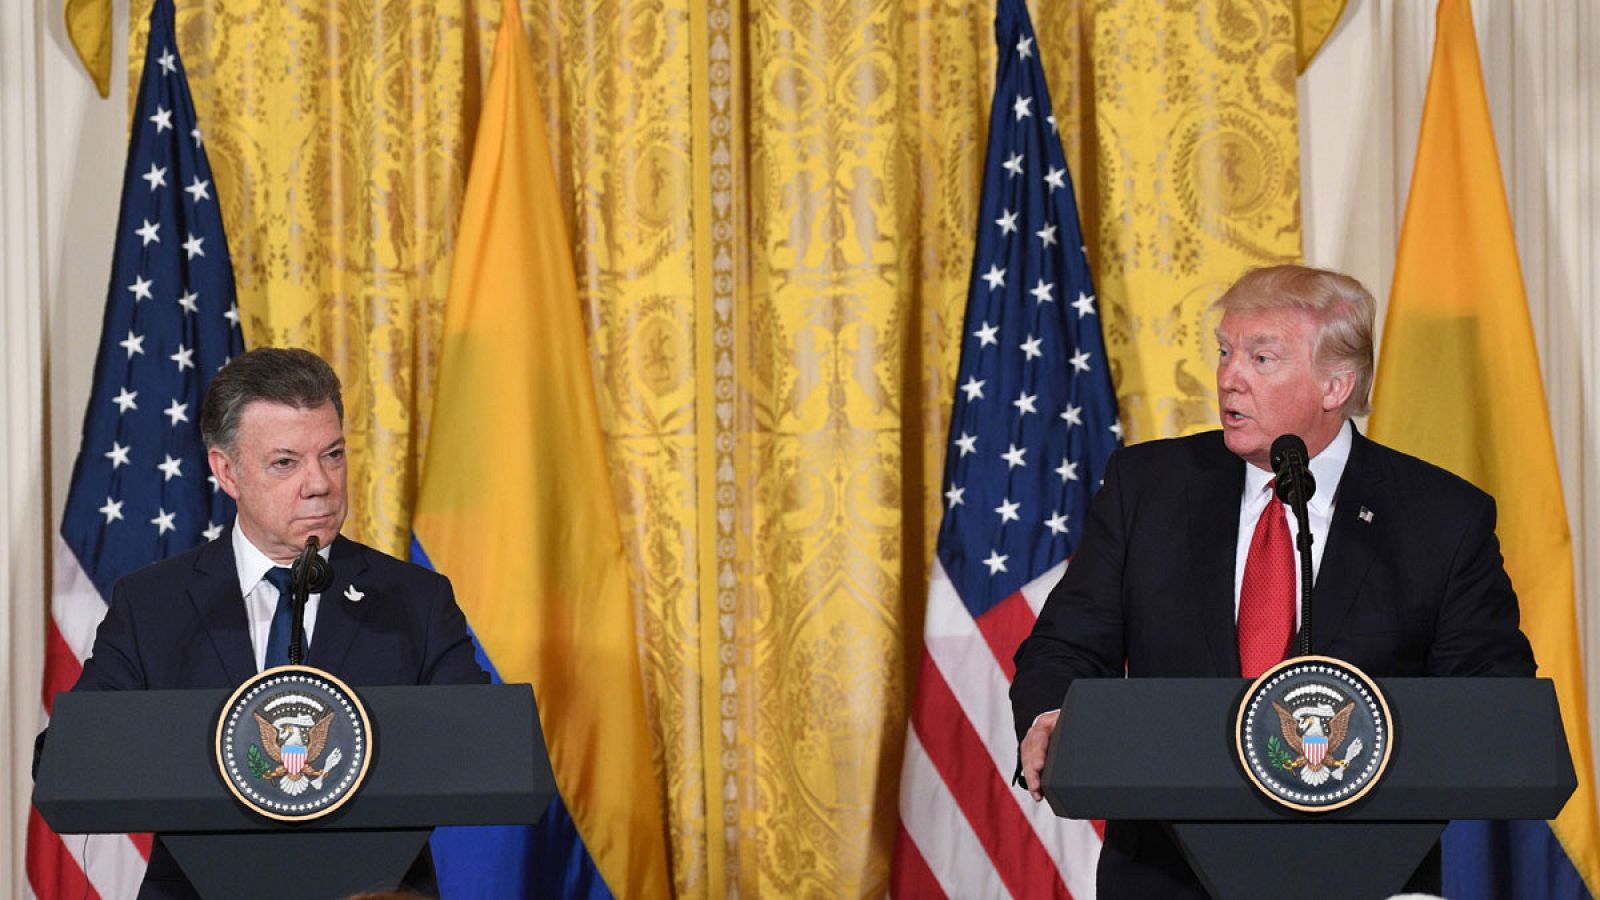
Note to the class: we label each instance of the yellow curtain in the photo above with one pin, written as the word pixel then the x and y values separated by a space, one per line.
pixel 771 204
pixel 1195 179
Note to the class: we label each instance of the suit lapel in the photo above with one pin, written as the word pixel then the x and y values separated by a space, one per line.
pixel 1213 537
pixel 220 607
pixel 1351 544
pixel 339 617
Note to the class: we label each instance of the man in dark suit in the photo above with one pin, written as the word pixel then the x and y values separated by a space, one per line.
pixel 1187 566
pixel 273 425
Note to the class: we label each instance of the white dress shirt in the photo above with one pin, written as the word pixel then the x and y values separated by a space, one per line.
pixel 260 597
pixel 1327 468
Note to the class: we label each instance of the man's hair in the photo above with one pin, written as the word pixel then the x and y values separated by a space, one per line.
pixel 1342 308
pixel 286 376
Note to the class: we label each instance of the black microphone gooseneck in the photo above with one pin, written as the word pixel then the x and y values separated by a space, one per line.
pixel 1291 466
pixel 310 574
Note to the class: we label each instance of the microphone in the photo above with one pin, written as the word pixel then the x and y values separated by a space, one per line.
pixel 311 569
pixel 309 575
pixel 1291 466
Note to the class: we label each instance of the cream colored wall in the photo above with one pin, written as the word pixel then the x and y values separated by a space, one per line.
pixel 61 155
pixel 1361 103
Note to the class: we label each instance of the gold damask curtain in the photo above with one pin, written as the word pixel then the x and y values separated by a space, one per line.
pixel 771 205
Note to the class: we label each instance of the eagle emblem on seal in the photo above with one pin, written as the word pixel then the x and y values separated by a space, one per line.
pixel 1315 732
pixel 294 733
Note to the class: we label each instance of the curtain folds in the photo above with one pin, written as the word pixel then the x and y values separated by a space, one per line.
pixel 771 205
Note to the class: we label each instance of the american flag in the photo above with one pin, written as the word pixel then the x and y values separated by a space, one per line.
pixel 1033 425
pixel 140 489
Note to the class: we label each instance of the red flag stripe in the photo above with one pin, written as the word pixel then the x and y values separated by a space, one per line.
pixel 910 876
pixel 964 659
pixel 946 841
pixel 983 794
pixel 1003 627
pixel 61 667
pixel 52 870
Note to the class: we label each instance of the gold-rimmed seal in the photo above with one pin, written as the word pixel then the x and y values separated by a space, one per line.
pixel 293 744
pixel 1314 734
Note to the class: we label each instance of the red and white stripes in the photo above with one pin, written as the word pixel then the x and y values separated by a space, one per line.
pixel 107 866
pixel 965 830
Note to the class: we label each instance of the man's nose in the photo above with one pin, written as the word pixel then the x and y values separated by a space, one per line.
pixel 317 480
pixel 1228 375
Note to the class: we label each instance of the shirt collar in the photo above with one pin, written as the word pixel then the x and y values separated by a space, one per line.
pixel 1327 468
pixel 252 564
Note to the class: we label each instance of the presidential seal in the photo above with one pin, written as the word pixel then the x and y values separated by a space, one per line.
pixel 293 743
pixel 1314 733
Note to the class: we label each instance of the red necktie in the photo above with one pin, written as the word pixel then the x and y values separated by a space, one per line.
pixel 1266 595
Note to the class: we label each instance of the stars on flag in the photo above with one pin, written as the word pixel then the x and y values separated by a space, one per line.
pixel 1033 348
pixel 133 343
pixel 170 250
pixel 170 468
pixel 1084 304
pixel 1015 456
pixel 1008 510
pixel 118 455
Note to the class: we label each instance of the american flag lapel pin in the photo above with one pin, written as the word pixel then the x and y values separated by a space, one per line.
pixel 1365 515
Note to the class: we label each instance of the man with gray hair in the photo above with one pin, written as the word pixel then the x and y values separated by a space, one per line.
pixel 213 617
pixel 1188 568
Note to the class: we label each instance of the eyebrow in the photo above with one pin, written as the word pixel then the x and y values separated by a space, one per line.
pixel 285 451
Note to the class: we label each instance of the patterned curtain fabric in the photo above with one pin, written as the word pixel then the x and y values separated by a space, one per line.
pixel 771 204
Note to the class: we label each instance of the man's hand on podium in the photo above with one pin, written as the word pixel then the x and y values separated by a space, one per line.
pixel 1034 745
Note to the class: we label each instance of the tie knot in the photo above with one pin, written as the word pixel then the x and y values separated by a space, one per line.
pixel 280 577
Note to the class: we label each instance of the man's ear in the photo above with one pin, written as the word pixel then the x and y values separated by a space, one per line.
pixel 1336 388
pixel 222 467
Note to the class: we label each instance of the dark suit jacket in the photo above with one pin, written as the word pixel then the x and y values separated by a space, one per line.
pixel 1415 588
pixel 181 623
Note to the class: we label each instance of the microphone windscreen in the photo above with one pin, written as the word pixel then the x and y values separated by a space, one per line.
pixel 1288 447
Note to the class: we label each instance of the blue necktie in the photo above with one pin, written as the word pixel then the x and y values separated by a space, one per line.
pixel 278 632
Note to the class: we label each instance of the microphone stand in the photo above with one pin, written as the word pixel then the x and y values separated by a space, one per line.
pixel 1303 542
pixel 311 574
pixel 1292 467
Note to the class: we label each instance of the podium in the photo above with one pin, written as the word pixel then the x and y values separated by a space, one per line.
pixel 120 761
pixel 1163 749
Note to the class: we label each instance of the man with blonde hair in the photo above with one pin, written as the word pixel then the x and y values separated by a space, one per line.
pixel 1188 567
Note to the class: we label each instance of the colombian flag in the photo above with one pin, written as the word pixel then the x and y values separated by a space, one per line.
pixel 1459 385
pixel 516 508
